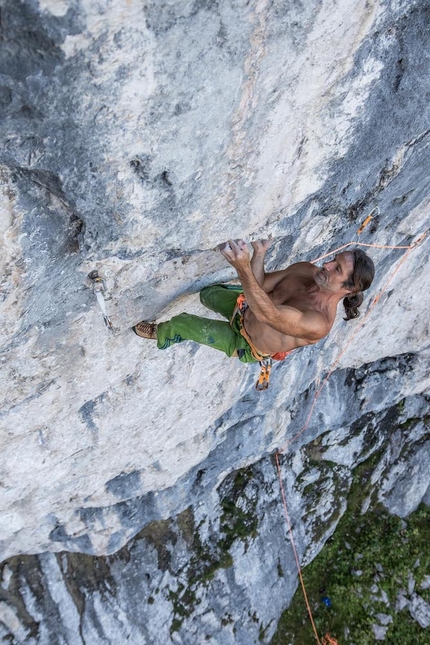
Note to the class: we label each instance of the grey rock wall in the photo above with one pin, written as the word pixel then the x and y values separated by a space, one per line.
pixel 222 569
pixel 136 136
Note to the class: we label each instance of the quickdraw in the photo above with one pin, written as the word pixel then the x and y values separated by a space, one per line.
pixel 263 379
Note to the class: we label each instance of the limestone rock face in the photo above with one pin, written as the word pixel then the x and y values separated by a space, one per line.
pixel 136 137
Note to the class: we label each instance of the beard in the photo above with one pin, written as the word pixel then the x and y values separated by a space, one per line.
pixel 321 277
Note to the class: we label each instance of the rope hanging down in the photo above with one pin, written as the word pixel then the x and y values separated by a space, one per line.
pixel 327 639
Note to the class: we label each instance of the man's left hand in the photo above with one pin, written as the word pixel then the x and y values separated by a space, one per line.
pixel 260 246
pixel 236 253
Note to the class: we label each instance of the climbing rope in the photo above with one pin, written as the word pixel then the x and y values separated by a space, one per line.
pixel 296 557
pixel 327 639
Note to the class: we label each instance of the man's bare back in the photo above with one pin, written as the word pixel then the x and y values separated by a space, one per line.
pixel 290 308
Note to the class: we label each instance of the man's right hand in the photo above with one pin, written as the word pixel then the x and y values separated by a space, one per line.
pixel 261 246
pixel 236 253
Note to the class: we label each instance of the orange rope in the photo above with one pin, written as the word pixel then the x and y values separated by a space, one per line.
pixel 374 246
pixel 295 550
pixel 327 639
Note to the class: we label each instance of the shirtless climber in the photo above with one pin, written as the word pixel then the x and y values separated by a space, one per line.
pixel 270 314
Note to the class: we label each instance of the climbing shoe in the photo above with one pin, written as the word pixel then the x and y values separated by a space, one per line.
pixel 146 330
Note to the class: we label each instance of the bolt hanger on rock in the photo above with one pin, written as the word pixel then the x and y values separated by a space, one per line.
pixel 99 289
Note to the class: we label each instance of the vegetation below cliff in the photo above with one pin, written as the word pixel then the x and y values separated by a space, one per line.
pixel 360 584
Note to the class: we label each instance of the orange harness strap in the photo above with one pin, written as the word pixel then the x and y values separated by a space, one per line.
pixel 240 309
pixel 265 360
pixel 259 356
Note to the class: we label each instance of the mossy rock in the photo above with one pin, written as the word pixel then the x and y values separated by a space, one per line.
pixel 366 551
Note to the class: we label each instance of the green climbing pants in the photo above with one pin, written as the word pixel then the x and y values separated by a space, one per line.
pixel 213 333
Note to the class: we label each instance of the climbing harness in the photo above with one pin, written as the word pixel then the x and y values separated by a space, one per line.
pixel 265 360
pixel 327 639
pixel 99 290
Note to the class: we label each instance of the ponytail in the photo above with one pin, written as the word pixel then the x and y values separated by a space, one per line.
pixel 360 280
pixel 351 304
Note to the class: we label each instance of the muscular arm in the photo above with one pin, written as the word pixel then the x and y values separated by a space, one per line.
pixel 257 266
pixel 257 262
pixel 287 320
pixel 272 279
pixel 267 281
pixel 310 325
